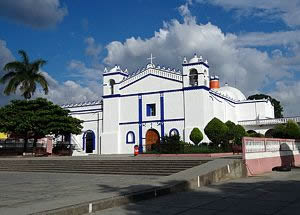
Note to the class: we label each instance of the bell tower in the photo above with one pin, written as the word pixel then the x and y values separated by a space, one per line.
pixel 195 72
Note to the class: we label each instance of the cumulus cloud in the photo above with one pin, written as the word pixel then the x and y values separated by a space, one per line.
pixel 5 57
pixel 67 92
pixel 288 11
pixel 287 92
pixel 92 49
pixel 34 13
pixel 59 92
pixel 227 58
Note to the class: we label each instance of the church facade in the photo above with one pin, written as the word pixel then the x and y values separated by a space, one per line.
pixel 140 108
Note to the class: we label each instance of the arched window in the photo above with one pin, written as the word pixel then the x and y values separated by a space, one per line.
pixel 193 77
pixel 130 138
pixel 173 132
pixel 112 84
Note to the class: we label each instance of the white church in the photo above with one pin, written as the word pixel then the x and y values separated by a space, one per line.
pixel 140 108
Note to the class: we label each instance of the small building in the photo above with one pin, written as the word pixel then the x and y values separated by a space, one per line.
pixel 139 108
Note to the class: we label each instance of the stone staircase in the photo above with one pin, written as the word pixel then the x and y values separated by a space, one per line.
pixel 119 167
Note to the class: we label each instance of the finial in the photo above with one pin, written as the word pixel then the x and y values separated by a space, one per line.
pixel 184 59
pixel 151 58
pixel 200 58
pixel 206 62
pixel 105 70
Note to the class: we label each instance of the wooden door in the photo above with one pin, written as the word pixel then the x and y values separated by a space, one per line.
pixel 152 137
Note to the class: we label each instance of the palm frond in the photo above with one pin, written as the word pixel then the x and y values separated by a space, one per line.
pixel 43 82
pixel 13 66
pixel 12 86
pixel 24 56
pixel 36 65
pixel 7 77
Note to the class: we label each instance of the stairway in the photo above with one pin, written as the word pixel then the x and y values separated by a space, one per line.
pixel 119 167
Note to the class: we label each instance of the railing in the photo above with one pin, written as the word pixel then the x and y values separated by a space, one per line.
pixel 16 147
pixel 269 121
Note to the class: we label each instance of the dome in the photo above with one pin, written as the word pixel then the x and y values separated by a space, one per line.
pixel 232 92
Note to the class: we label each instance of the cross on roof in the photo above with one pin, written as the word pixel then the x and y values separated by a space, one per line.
pixel 151 58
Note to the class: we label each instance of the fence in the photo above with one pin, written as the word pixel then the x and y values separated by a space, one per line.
pixel 16 147
pixel 263 154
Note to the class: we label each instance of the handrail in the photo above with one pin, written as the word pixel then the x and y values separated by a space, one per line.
pixel 269 121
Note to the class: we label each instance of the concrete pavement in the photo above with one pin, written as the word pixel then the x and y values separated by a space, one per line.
pixel 275 193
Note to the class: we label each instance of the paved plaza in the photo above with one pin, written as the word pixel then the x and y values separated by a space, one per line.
pixel 24 193
pixel 274 193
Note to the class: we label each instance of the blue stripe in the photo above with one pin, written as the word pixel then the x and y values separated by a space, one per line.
pixel 192 64
pixel 111 96
pixel 185 89
pixel 162 115
pixel 115 73
pixel 171 79
pixel 149 121
pixel 140 125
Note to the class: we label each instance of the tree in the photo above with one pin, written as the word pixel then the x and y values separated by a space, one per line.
pixel 231 129
pixel 196 136
pixel 239 133
pixel 292 130
pixel 279 131
pixel 34 119
pixel 24 75
pixel 216 131
pixel 277 106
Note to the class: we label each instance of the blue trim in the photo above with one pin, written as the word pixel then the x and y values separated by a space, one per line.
pixel 162 115
pixel 151 121
pixel 197 88
pixel 111 96
pixel 140 107
pixel 133 137
pixel 173 129
pixel 192 64
pixel 171 79
pixel 115 73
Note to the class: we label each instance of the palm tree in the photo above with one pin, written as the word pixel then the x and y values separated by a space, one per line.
pixel 24 75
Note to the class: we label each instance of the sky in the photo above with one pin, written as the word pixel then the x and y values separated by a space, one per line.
pixel 253 45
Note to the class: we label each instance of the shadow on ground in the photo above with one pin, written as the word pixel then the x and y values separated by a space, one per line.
pixel 274 193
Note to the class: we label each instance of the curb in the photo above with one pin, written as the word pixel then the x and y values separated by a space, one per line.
pixel 235 169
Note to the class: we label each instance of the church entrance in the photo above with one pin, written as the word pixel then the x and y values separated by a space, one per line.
pixel 152 137
pixel 89 141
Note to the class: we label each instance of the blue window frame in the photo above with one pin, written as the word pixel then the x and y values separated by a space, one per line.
pixel 151 109
pixel 173 131
pixel 130 138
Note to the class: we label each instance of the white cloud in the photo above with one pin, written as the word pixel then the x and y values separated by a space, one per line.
pixel 288 11
pixel 67 92
pixel 92 49
pixel 34 13
pixel 5 57
pixel 283 38
pixel 59 92
pixel 250 67
pixel 287 92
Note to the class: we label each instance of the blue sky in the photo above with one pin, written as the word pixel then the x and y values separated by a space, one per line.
pixel 254 42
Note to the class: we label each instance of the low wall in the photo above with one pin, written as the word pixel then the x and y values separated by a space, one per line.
pixel 262 154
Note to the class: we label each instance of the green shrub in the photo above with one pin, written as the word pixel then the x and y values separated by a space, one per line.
pixel 216 131
pixel 279 131
pixel 231 126
pixel 292 130
pixel 239 133
pixel 172 139
pixel 196 136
